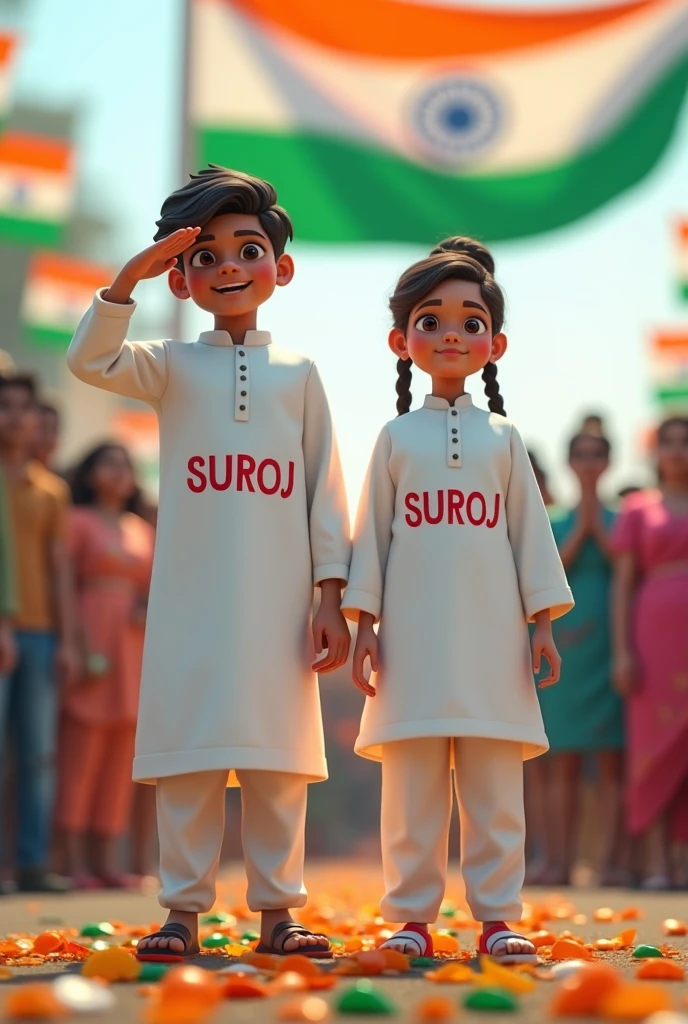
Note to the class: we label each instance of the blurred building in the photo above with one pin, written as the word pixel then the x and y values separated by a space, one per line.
pixel 88 414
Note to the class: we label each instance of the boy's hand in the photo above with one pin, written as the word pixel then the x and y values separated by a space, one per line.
pixel 152 262
pixel 624 673
pixel 330 630
pixel 542 645
pixel 366 647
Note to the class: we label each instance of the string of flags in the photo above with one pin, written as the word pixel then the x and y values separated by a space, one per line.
pixel 668 347
pixel 37 193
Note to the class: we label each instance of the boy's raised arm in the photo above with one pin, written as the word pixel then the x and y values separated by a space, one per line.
pixel 99 353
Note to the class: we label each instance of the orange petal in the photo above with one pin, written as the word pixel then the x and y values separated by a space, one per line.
pixel 542 938
pixel 673 927
pixel 48 942
pixel 660 970
pixel 312 1008
pixel 635 1001
pixel 445 943
pixel 567 949
pixel 34 1001
pixel 584 991
pixel 395 961
pixel 603 914
pixel 244 988
pixel 372 962
pixel 435 1008
pixel 630 914
pixel 261 961
pixel 289 981
pixel 187 983
pixel 298 963
pixel 627 937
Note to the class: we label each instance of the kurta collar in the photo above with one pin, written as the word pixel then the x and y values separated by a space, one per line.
pixel 223 339
pixel 462 402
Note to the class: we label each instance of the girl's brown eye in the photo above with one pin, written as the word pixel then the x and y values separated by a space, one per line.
pixel 474 325
pixel 202 258
pixel 427 324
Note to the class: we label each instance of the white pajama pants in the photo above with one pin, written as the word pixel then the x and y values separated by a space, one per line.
pixel 416 812
pixel 191 822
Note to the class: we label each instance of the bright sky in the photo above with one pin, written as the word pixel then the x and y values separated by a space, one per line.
pixel 581 301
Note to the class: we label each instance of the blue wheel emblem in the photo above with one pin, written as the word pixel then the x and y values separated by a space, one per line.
pixel 456 119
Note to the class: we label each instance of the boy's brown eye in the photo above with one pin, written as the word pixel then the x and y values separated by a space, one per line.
pixel 426 323
pixel 252 251
pixel 202 258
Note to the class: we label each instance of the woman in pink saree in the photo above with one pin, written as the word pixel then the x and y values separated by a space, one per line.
pixel 650 620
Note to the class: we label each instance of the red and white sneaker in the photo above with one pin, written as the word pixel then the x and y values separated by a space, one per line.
pixel 412 939
pixel 499 942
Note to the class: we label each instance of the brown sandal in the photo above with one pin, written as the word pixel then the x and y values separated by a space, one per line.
pixel 287 930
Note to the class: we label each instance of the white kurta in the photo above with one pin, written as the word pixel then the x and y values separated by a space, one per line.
pixel 454 553
pixel 253 514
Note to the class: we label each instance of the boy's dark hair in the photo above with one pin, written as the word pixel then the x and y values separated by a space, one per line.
pixel 19 380
pixel 216 190
pixel 603 442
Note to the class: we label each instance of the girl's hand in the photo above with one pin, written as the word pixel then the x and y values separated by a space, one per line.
pixel 330 631
pixel 152 262
pixel 624 674
pixel 366 647
pixel 542 645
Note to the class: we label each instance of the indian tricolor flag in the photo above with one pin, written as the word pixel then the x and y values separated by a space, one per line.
pixel 669 366
pixel 36 188
pixel 406 120
pixel 681 242
pixel 7 52
pixel 58 291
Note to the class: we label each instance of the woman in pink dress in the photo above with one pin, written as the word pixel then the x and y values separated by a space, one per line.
pixel 650 621
pixel 112 549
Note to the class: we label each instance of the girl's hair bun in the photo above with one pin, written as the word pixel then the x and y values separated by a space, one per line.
pixel 469 247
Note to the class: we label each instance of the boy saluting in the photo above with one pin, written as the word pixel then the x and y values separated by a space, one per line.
pixel 253 513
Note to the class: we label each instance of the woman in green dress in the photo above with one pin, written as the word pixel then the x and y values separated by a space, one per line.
pixel 583 715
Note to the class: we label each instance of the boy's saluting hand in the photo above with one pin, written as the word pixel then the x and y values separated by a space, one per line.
pixel 152 262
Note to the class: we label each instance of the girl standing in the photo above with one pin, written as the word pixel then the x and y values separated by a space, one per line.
pixel 453 555
pixel 584 715
pixel 650 613
pixel 112 548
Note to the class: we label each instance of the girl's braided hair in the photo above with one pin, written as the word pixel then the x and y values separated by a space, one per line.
pixel 462 259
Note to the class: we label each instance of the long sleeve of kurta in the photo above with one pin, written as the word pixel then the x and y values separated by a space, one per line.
pixel 541 577
pixel 328 516
pixel 372 536
pixel 8 591
pixel 100 354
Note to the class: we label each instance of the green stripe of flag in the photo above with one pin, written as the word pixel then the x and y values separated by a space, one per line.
pixel 46 337
pixel 339 190
pixel 20 231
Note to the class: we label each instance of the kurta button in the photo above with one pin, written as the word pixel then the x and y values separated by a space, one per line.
pixel 242 354
pixel 242 378
pixel 454 412
pixel 454 430
pixel 455 456
pixel 242 408
pixel 243 394
pixel 455 440
pixel 242 368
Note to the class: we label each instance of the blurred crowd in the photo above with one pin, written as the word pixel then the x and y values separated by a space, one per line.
pixel 76 550
pixel 76 553
pixel 617 721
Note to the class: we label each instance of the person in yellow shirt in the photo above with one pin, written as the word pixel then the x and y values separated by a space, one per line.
pixel 45 629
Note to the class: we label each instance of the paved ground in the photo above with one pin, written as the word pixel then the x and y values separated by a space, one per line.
pixel 341 887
